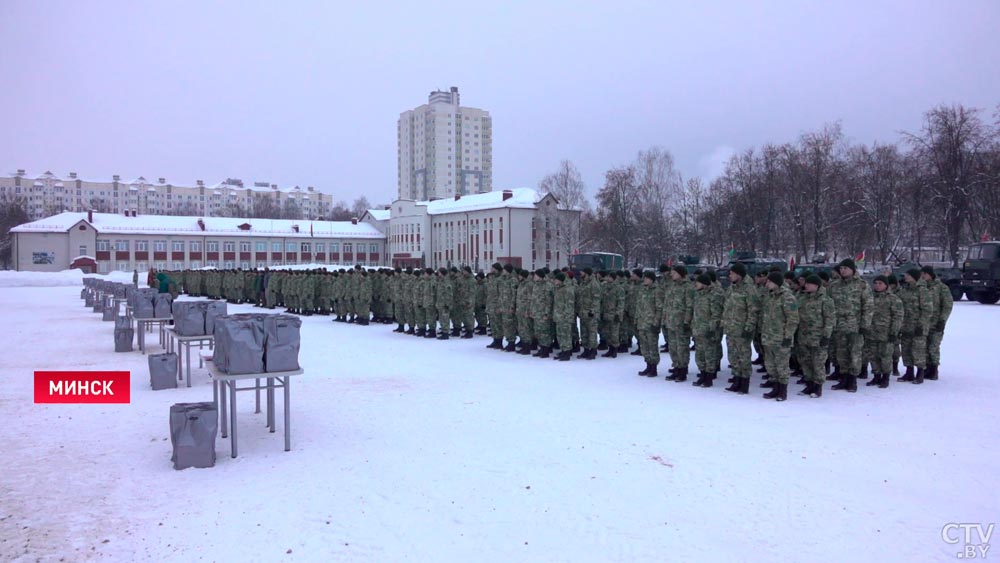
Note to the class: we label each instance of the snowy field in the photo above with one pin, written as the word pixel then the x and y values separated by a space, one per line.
pixel 406 448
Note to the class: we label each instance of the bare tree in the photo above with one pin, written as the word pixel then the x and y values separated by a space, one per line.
pixel 340 212
pixel 13 212
pixel 360 206
pixel 291 210
pixel 617 203
pixel 659 189
pixel 567 186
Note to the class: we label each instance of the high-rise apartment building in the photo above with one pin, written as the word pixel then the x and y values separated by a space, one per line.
pixel 444 149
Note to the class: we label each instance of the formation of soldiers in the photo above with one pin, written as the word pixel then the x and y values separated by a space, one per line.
pixel 799 326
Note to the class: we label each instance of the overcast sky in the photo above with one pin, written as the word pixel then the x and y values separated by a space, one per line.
pixel 309 93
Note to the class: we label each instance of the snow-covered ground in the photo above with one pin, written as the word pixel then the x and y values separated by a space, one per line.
pixel 406 448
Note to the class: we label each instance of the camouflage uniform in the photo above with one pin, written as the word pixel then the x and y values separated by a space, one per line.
pixel 612 311
pixel 853 301
pixel 942 304
pixel 588 294
pixel 493 303
pixel 480 304
pixel 628 323
pixel 887 320
pixel 542 298
pixel 525 328
pixel 444 291
pixel 817 318
pixel 779 320
pixel 467 301
pixel 505 304
pixel 429 301
pixel 647 320
pixel 918 310
pixel 740 315
pixel 705 321
pixel 564 315
pixel 677 312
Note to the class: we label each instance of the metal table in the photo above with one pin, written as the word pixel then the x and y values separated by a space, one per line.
pixel 186 342
pixel 143 325
pixel 223 383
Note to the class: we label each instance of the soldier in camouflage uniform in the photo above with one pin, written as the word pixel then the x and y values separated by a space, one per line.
pixel 918 311
pixel 493 305
pixel 522 309
pixel 648 318
pixel 588 296
pixel 479 303
pixel 466 301
pixel 831 289
pixel 633 278
pixel 563 312
pixel 887 321
pixel 542 299
pixel 507 291
pixel 779 321
pixel 428 297
pixel 740 315
pixel 444 291
pixel 705 321
pixel 612 312
pixel 677 313
pixel 897 348
pixel 853 301
pixel 817 318
pixel 760 289
pixel 661 289
pixel 942 303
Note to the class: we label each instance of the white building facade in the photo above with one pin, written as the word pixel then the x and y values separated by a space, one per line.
pixel 444 149
pixel 107 242
pixel 47 194
pixel 518 226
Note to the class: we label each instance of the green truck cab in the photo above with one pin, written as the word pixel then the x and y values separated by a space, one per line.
pixel 981 273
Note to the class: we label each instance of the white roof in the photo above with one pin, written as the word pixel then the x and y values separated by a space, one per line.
pixel 110 223
pixel 521 198
pixel 379 214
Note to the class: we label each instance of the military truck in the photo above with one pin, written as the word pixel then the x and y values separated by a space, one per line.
pixel 596 261
pixel 981 273
pixel 753 265
pixel 951 277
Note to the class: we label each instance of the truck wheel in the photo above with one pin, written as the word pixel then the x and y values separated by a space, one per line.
pixel 956 292
pixel 988 298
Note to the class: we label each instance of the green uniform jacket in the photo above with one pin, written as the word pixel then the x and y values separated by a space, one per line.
pixel 888 318
pixel 780 317
pixel 817 317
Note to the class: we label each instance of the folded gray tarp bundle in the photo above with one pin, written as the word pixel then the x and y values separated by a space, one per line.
pixel 255 343
pixel 196 318
pixel 110 312
pixel 161 305
pixel 122 322
pixel 193 427
pixel 163 371
pixel 215 310
pixel 123 339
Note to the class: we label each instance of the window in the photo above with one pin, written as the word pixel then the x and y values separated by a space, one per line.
pixel 123 267
pixel 102 268
pixel 347 248
pixel 212 264
pixel 261 247
pixel 103 245
pixel 160 245
pixel 121 245
pixel 195 246
pixel 229 246
pixel 178 266
pixel 83 250
pixel 335 247
pixel 195 264
pixel 290 247
pixel 228 265
pixel 177 245
pixel 161 266
pixel 305 247
pixel 275 247
pixel 320 247
pixel 373 248
pixel 142 245
pixel 245 265
pixel 212 246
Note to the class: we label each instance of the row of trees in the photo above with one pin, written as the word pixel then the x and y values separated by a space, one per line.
pixel 938 187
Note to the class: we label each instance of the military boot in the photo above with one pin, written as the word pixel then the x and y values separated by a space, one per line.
pixel 411 330
pixel 782 392
pixel 509 347
pixel 673 375
pixel 603 345
pixel 842 384
pixel 543 352
pixel 467 334
pixel 895 368
pixel 709 380
pixel 363 321
pixel 884 382
pixel 637 352
pixel 444 335
pixel 744 386
pixel 732 379
pixel 576 347
pixel 808 389
pixel 682 375
pixel 875 380
pixel 734 384
pixel 646 371
pixel 767 385
pixel 665 349
pixel 701 379
pixel 455 331
pixel 908 376
pixel 585 355
pixel 611 353
pixel 481 330
pixel 852 383
pixel 931 373
pixel 652 371
pixel 623 349
pixel 525 350
pixel 774 393
pixel 835 376
pixel 399 328
pixel 921 373
pixel 565 356
pixel 817 391
pixel 431 333
pixel 864 372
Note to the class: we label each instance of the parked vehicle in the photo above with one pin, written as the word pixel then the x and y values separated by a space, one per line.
pixel 981 273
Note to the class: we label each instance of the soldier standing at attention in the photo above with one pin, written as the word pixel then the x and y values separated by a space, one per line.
pixel 897 348
pixel 886 323
pixel 647 321
pixel 588 295
pixel 817 318
pixel 564 315
pixel 853 300
pixel 445 290
pixel 760 292
pixel 468 304
pixel 941 305
pixel 430 297
pixel 480 303
pixel 523 309
pixel 739 322
pixel 661 289
pixel 612 312
pixel 706 316
pixel 493 282
pixel 542 297
pixel 779 321
pixel 918 309
pixel 677 312
pixel 506 302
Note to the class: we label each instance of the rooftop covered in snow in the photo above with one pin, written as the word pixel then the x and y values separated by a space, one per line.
pixel 516 198
pixel 113 223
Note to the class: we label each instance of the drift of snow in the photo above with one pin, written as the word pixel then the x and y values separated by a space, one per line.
pixel 406 448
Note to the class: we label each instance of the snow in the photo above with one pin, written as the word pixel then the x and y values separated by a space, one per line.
pixel 115 223
pixel 405 448
pixel 521 198
pixel 380 214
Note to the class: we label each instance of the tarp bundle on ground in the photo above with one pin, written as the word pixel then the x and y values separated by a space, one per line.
pixel 163 371
pixel 123 339
pixel 193 427
pixel 255 343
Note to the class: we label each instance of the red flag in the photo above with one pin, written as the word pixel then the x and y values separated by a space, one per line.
pixel 791 263
pixel 986 236
pixel 860 257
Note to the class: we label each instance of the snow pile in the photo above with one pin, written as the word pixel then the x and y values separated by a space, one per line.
pixel 10 278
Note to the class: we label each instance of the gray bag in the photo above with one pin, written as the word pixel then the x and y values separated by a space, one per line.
pixel 88 300
pixel 144 307
pixel 163 371
pixel 281 342
pixel 213 310
pixel 239 344
pixel 161 305
pixel 119 290
pixel 110 313
pixel 122 322
pixel 189 318
pixel 123 339
pixel 193 427
pixel 99 305
pixel 83 293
